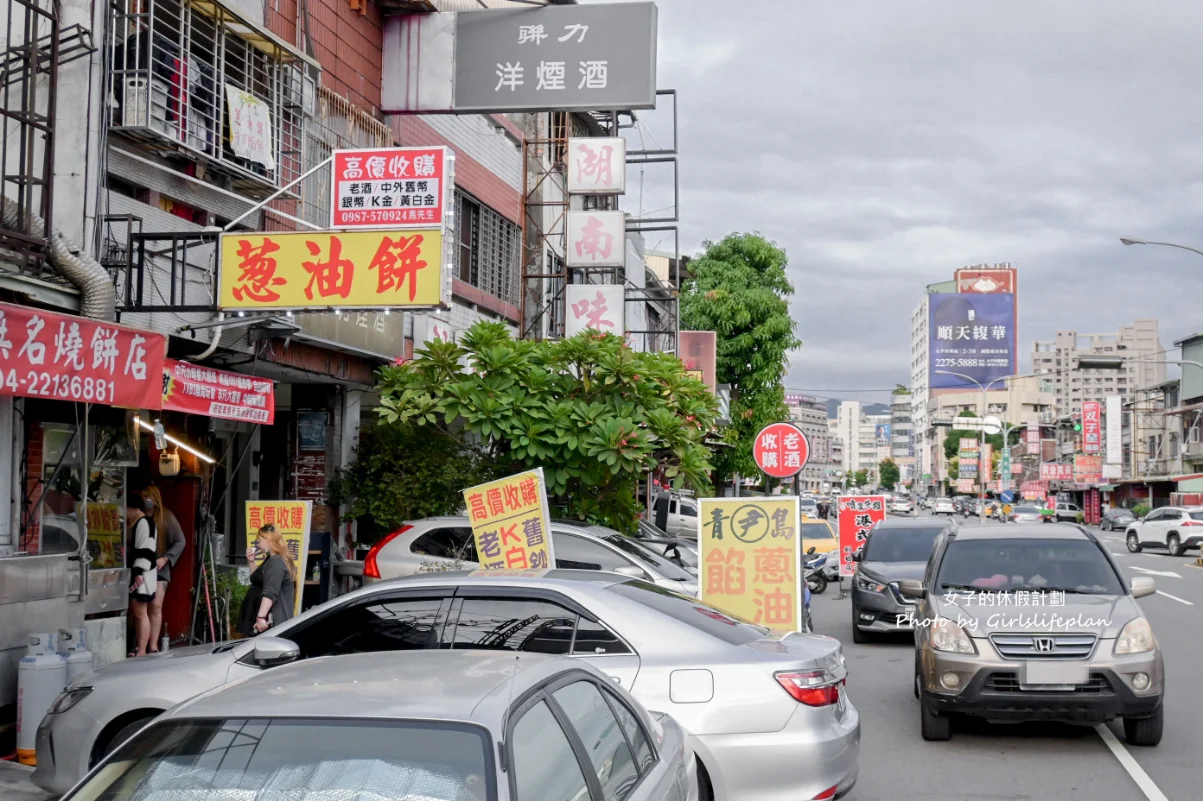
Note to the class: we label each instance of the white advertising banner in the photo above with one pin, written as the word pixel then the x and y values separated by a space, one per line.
pixel 1113 466
pixel 250 127
pixel 596 238
pixel 429 327
pixel 595 306
pixel 597 166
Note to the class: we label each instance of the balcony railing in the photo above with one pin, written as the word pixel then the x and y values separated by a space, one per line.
pixel 190 77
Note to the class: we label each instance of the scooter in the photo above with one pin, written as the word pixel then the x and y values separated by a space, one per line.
pixel 815 573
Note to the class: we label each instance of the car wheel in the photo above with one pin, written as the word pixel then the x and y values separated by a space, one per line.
pixel 124 733
pixel 1174 545
pixel 933 726
pixel 817 583
pixel 1133 542
pixel 858 636
pixel 1144 731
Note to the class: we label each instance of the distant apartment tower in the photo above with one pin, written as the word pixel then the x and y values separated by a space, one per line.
pixel 810 415
pixel 921 400
pixel 1072 386
pixel 848 420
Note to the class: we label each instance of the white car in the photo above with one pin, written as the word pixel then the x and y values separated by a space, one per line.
pixel 902 506
pixel 943 506
pixel 1174 528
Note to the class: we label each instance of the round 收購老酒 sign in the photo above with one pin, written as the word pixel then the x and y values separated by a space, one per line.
pixel 781 450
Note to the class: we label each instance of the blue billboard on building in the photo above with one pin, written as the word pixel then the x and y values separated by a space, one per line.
pixel 971 334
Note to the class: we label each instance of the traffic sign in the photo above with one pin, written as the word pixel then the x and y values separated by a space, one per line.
pixel 781 450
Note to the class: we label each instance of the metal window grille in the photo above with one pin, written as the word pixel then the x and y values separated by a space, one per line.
pixel 170 64
pixel 489 250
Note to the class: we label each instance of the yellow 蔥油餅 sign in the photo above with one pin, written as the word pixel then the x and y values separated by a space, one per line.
pixel 331 269
pixel 292 519
pixel 510 523
pixel 751 559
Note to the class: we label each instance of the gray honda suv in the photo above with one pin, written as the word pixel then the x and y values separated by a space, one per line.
pixel 1030 622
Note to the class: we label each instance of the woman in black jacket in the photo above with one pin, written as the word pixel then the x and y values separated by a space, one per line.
pixel 143 573
pixel 273 584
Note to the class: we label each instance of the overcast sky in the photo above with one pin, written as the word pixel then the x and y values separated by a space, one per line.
pixel 884 143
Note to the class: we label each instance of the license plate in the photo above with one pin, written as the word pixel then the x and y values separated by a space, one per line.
pixel 1058 674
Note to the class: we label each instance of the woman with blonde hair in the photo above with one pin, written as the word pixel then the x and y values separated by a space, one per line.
pixel 272 596
pixel 170 544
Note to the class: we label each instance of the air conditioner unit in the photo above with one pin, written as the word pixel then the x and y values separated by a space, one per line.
pixel 144 104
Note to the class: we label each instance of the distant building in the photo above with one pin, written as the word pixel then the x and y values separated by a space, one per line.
pixel 1071 386
pixel 810 415
pixel 848 422
pixel 902 434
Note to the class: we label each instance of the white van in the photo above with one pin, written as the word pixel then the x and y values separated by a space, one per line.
pixel 676 515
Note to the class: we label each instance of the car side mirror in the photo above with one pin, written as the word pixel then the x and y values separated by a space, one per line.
pixel 911 588
pixel 810 550
pixel 856 556
pixel 274 651
pixel 1142 586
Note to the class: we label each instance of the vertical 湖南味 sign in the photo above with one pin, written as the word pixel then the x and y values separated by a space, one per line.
pixel 750 554
pixel 597 307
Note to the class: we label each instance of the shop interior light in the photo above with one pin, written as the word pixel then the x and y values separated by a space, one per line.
pixel 176 442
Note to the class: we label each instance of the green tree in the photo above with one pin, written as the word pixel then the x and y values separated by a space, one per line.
pixel 740 290
pixel 860 478
pixel 900 389
pixel 889 473
pixel 591 412
pixel 403 471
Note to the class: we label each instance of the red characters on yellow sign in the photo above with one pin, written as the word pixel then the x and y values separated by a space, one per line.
pixel 333 276
pixel 398 260
pixel 258 272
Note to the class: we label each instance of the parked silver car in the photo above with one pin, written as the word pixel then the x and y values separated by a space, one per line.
pixel 769 714
pixel 450 725
pixel 445 543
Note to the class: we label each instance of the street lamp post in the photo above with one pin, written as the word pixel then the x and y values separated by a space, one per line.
pixel 1128 240
pixel 981 493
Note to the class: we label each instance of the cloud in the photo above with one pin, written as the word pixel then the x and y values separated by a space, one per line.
pixel 886 144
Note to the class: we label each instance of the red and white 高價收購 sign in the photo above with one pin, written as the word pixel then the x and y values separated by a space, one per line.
pixel 63 357
pixel 389 187
pixel 858 514
pixel 781 450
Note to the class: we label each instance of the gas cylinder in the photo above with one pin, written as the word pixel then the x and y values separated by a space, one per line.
pixel 71 645
pixel 41 676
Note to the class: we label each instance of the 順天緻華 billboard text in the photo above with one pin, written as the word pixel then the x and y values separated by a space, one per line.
pixel 972 336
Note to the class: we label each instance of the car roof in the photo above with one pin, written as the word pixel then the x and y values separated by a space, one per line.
pixel 484 578
pixel 915 522
pixel 1021 531
pixel 436 684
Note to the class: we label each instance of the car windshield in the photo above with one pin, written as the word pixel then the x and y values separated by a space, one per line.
pixel 272 758
pixel 816 531
pixel 1026 510
pixel 691 611
pixel 644 554
pixel 1042 565
pixel 910 544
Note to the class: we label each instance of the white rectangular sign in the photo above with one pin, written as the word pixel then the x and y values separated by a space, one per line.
pixel 597 166
pixel 596 238
pixel 595 306
pixel 250 127
pixel 1113 466
pixel 429 327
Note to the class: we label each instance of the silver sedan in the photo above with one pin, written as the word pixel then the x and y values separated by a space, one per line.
pixel 433 726
pixel 769 714
pixel 445 543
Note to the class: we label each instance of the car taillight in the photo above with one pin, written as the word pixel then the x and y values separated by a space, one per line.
pixel 827 794
pixel 811 687
pixel 370 568
pixel 1191 523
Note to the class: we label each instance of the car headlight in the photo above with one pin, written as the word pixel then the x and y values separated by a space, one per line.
pixel 67 699
pixel 869 584
pixel 1136 638
pixel 946 635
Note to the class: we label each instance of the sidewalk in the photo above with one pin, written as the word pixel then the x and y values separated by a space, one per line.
pixel 16 786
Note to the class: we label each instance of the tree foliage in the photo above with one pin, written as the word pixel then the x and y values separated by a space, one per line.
pixel 888 474
pixel 860 478
pixel 740 290
pixel 591 412
pixel 403 471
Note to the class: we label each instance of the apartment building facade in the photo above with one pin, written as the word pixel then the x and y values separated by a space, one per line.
pixel 1138 344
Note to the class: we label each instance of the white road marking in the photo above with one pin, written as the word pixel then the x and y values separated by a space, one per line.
pixel 1176 598
pixel 1168 573
pixel 1129 763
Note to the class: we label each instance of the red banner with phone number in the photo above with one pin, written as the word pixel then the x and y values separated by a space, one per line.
pixel 63 357
pixel 858 514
